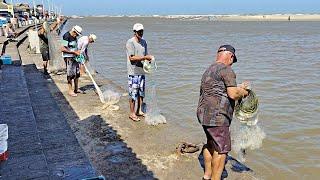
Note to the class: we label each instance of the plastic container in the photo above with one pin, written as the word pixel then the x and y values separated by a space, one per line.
pixel 6 59
pixel 3 138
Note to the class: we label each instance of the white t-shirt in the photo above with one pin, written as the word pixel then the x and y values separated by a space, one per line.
pixel 83 43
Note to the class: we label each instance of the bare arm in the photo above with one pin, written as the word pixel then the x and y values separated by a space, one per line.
pixel 140 58
pixel 53 26
pixel 132 57
pixel 41 31
pixel 66 50
pixel 236 93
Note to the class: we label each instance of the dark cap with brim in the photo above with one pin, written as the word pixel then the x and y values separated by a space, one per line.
pixel 230 49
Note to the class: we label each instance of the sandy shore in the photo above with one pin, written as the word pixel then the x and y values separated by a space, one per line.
pixel 259 17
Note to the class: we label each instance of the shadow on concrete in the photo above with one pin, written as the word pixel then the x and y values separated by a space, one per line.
pixel 110 155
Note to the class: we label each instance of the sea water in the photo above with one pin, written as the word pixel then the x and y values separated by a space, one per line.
pixel 280 58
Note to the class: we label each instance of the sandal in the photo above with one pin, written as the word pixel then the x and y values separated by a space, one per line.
pixel 79 91
pixel 135 119
pixel 73 95
pixel 141 114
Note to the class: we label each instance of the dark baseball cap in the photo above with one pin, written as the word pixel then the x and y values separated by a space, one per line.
pixel 230 49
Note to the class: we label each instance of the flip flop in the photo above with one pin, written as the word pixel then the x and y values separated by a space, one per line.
pixel 141 114
pixel 134 119
pixel 79 91
pixel 73 95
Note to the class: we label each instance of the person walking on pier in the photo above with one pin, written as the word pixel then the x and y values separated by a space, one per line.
pixel 10 32
pixel 70 51
pixel 218 92
pixel 137 52
pixel 83 44
pixel 44 45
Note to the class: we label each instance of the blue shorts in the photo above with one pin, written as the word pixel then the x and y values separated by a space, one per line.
pixel 136 86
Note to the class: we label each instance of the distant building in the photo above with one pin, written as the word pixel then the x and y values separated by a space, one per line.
pixel 22 9
pixel 6 8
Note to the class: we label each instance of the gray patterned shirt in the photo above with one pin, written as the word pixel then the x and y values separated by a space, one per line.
pixel 215 108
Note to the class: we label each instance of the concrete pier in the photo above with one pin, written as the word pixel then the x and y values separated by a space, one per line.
pixel 41 144
pixel 55 136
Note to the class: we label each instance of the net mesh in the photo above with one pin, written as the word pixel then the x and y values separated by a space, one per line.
pixel 153 115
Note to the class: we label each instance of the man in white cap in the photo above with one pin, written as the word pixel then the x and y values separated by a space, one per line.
pixel 137 52
pixel 69 52
pixel 83 44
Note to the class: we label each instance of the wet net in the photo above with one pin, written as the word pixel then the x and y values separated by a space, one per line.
pixel 34 43
pixel 245 131
pixel 153 115
pixel 56 63
pixel 245 138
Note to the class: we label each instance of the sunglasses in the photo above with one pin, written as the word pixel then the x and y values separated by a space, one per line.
pixel 232 56
pixel 139 32
pixel 224 50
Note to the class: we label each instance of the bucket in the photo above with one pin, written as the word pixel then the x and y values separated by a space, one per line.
pixel 3 138
pixel 4 154
pixel 6 59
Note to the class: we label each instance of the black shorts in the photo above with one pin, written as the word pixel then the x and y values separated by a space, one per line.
pixel 73 68
pixel 45 54
pixel 218 138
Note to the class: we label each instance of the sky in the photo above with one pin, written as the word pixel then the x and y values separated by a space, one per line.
pixel 171 7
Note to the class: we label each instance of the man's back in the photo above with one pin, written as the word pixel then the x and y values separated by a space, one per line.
pixel 215 108
pixel 83 43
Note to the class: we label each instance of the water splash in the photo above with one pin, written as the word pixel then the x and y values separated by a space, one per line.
pixel 245 137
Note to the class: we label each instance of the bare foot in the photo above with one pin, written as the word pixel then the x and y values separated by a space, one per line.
pixel 141 114
pixel 72 94
pixel 134 118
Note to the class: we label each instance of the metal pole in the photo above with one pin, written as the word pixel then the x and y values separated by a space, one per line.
pixel 52 7
pixel 43 11
pixel 48 8
pixel 34 11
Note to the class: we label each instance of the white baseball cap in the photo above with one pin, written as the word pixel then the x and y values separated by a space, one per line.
pixel 137 27
pixel 77 29
pixel 93 37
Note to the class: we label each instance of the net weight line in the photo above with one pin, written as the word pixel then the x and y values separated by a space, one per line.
pixel 95 85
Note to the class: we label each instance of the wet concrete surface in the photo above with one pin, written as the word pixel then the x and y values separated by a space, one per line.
pixel 41 144
pixel 117 147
